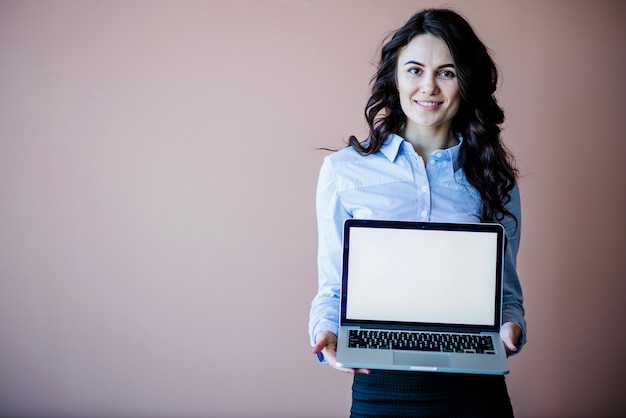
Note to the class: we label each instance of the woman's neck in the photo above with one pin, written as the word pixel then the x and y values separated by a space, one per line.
pixel 427 140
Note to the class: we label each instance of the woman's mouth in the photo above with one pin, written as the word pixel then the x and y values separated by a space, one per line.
pixel 428 104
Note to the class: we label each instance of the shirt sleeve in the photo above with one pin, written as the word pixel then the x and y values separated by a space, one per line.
pixel 513 299
pixel 324 314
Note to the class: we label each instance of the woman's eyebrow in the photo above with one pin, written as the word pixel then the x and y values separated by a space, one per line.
pixel 411 62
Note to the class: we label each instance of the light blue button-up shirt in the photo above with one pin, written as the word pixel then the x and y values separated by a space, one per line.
pixel 395 184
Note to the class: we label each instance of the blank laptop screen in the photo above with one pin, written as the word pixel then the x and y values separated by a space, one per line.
pixel 427 276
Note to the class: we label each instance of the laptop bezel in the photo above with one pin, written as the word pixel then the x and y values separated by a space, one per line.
pixel 421 326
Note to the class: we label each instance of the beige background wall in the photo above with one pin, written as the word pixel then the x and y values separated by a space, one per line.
pixel 157 178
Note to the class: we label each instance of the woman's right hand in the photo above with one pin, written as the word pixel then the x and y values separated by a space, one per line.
pixel 326 343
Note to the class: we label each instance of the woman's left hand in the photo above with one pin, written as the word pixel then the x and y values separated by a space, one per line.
pixel 510 334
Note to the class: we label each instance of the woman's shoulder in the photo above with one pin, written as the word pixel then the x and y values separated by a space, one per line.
pixel 347 154
pixel 351 155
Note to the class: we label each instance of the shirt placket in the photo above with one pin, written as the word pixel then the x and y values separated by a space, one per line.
pixel 434 166
pixel 423 186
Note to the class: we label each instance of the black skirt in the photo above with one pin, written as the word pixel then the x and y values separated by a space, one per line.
pixel 423 394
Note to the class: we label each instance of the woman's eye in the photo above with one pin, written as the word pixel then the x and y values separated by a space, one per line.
pixel 447 74
pixel 415 70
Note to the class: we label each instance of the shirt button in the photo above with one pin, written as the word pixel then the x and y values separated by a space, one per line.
pixel 432 162
pixel 424 188
pixel 424 213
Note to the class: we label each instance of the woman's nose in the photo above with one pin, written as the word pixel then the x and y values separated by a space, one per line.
pixel 429 86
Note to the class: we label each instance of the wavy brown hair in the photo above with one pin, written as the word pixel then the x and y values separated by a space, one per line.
pixel 487 163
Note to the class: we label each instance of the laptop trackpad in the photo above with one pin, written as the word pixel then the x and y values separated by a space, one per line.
pixel 421 359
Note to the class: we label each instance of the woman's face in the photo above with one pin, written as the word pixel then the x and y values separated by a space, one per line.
pixel 427 84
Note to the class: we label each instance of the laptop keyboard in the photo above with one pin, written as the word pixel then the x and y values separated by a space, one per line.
pixel 421 341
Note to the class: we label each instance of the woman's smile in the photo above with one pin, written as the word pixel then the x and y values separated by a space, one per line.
pixel 428 105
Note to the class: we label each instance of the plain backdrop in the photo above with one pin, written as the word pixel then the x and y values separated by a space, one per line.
pixel 158 164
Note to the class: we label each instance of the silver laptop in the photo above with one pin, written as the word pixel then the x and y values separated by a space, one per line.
pixel 422 296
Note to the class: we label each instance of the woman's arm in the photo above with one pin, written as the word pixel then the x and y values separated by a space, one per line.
pixel 513 299
pixel 324 314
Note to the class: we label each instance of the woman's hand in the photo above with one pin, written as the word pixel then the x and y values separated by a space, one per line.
pixel 510 333
pixel 326 343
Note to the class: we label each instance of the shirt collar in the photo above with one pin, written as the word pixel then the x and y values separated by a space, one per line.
pixel 454 153
pixel 391 148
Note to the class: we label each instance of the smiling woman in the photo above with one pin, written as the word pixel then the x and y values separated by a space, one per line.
pixel 433 154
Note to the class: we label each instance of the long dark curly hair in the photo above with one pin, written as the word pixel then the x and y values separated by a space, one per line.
pixel 487 163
